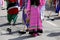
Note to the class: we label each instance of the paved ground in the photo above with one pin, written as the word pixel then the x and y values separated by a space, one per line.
pixel 51 28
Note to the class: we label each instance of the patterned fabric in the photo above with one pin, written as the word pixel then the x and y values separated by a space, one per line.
pixel 34 15
pixel 24 4
pixel 12 7
pixel 13 10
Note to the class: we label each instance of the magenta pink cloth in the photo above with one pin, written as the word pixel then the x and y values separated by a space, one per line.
pixel 35 19
pixel 42 2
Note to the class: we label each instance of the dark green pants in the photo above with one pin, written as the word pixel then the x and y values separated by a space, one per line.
pixel 12 17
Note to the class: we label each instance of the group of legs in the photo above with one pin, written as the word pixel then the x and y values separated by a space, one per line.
pixel 12 18
pixel 34 24
pixel 56 8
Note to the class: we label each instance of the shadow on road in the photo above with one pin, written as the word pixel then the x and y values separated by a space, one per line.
pixel 11 33
pixel 51 16
pixel 22 38
pixel 2 16
pixel 6 24
pixel 53 34
pixel 54 18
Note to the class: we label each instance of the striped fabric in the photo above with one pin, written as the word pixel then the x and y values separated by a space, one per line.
pixel 13 10
pixel 12 7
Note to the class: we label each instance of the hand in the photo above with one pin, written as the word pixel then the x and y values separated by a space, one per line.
pixel 27 20
pixel 25 11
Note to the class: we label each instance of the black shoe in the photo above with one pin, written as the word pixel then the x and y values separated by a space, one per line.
pixel 9 30
pixel 52 19
pixel 21 32
pixel 32 32
pixel 40 31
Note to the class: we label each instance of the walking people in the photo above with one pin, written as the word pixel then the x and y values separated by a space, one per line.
pixel 12 9
pixel 34 17
pixel 23 4
pixel 24 13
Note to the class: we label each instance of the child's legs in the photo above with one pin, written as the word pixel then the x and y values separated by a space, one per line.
pixel 14 18
pixel 9 18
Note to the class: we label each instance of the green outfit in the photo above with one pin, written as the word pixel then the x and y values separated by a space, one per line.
pixel 12 17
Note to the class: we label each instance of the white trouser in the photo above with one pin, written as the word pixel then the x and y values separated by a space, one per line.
pixel 42 12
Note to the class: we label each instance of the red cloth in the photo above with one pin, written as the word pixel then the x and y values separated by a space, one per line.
pixel 13 11
pixel 12 0
pixel 21 3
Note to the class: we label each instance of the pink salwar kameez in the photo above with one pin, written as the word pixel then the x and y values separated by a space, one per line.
pixel 34 16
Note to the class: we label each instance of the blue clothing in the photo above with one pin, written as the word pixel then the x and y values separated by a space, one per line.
pixel 57 9
pixel 24 15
